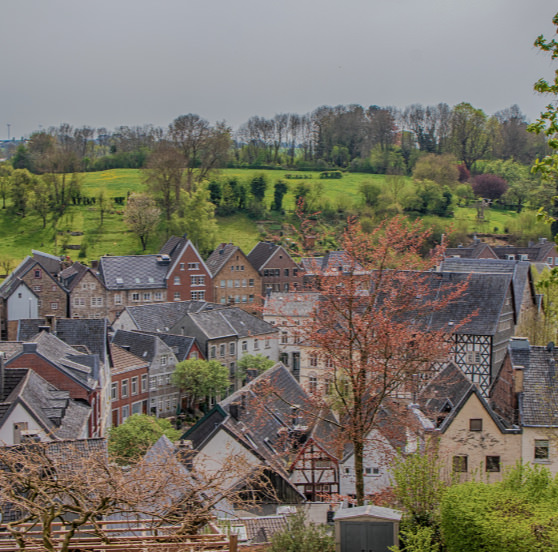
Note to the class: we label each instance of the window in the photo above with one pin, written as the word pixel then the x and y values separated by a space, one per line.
pixel 492 463
pixel 232 348
pixel 37 288
pixel 244 298
pixel 473 357
pixel 329 362
pixel 549 261
pixel 163 360
pixel 295 271
pixel 54 306
pixel 314 360
pixel 244 346
pixel 182 266
pixel 312 384
pixel 96 301
pixel 193 266
pixel 229 283
pixel 244 282
pixel 37 273
pixel 135 296
pixel 176 280
pixel 125 412
pixel 542 449
pixel 250 298
pixel 284 338
pixel 114 391
pixel 267 342
pixel 158 296
pixel 193 355
pixel 197 280
pixel 251 282
pixel 137 407
pixel 176 296
pixel 212 351
pixel 124 388
pixel 284 359
pixel 372 471
pixel 286 271
pixel 232 369
pixel 147 296
pixel 198 295
pixel 79 301
pixel 135 381
pixel 475 424
pixel 144 383
pixel 222 350
pixel 237 283
pixel 256 344
pixel 152 383
pixel 118 299
pixel 286 287
pixel 223 282
pixel 460 463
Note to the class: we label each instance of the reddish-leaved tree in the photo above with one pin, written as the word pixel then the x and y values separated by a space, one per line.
pixel 373 327
pixel 489 186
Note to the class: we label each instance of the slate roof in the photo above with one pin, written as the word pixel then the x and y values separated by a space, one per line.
pixel 173 246
pixel 290 304
pixel 133 272
pixel 220 256
pixel 49 262
pixel 538 403
pixel 333 262
pixel 262 252
pixel 55 411
pixel 161 317
pixel 142 345
pixel 8 285
pixel 485 294
pixel 537 252
pixel 87 334
pixel 475 251
pixel 72 275
pixel 520 271
pixel 181 345
pixel 369 510
pixel 259 530
pixel 82 368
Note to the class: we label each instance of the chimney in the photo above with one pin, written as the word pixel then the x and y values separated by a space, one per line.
pixel 518 373
pixel 50 319
pixel 233 410
pixel 95 264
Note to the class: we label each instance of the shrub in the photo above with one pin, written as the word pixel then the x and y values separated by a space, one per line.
pixel 302 537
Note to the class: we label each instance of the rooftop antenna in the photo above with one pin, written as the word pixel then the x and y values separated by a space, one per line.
pixel 8 125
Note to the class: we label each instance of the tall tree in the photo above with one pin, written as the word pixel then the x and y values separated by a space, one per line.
pixel 469 136
pixel 6 171
pixel 371 325
pixel 141 216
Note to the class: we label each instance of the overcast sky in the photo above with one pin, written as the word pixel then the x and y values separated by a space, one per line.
pixel 129 62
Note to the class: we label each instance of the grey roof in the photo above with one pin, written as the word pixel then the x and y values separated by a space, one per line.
pixel 537 252
pixel 520 271
pixel 173 246
pixel 262 252
pixel 370 511
pixel 220 256
pixel 259 530
pixel 538 404
pixel 20 271
pixel 49 262
pixel 476 250
pixel 82 368
pixel 333 262
pixel 60 416
pixel 133 272
pixel 161 317
pixel 143 345
pixel 89 335
pixel 181 345
pixel 72 275
pixel 291 304
pixel 243 323
pixel 485 294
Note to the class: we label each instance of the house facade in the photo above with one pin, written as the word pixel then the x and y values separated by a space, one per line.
pixel 235 280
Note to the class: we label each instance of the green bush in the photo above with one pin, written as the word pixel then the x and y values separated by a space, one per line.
pixel 300 536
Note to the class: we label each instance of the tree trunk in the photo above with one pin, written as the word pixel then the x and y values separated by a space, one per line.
pixel 358 447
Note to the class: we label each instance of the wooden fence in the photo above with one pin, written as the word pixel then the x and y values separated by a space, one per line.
pixel 122 537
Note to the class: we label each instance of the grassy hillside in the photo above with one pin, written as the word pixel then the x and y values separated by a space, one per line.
pixel 81 224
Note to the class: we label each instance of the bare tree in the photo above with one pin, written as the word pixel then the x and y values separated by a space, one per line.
pixel 141 216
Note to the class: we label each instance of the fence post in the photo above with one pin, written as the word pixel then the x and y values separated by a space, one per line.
pixel 233 542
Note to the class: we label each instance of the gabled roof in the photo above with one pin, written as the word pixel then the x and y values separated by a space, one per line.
pixel 12 286
pixel 161 317
pixel 175 247
pixel 60 416
pixel 520 271
pixel 243 323
pixel 88 333
pixel 172 246
pixel 134 272
pixel 73 275
pixel 536 252
pixel 143 345
pixel 49 262
pixel 476 250
pixel 181 345
pixel 290 304
pixel 124 361
pixel 263 252
pixel 220 256
pixel 82 368
pixel 20 271
pixel 447 393
pixel 332 263
pixel 538 403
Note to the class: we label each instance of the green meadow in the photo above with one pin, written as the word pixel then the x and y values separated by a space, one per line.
pixel 81 225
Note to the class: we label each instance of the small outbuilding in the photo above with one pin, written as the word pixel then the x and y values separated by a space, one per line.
pixel 366 529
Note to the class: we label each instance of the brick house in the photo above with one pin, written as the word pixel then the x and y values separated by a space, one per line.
pixel 67 369
pixel 276 268
pixel 129 389
pixel 161 361
pixel 188 277
pixel 235 280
